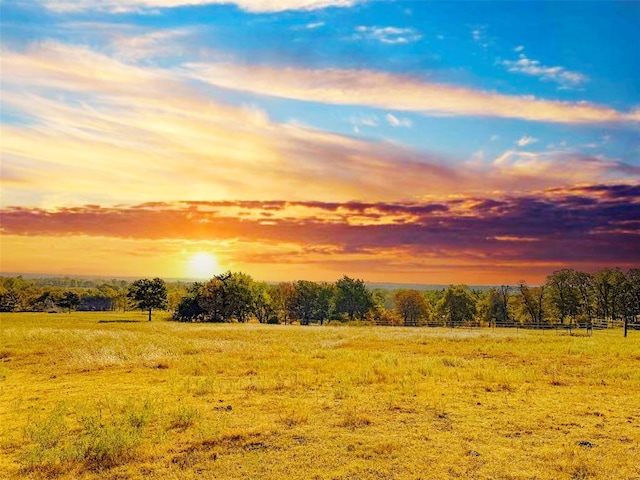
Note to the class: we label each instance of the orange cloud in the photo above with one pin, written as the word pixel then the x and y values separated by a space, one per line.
pixel 588 226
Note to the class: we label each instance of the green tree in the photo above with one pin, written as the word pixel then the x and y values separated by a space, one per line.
pixel 533 302
pixel 43 302
pixel 212 298
pixel 241 296
pixel 413 307
pixel 176 291
pixel 148 294
pixel 505 295
pixel 282 296
pixel 263 305
pixel 352 298
pixel 189 308
pixel 564 294
pixel 100 299
pixel 630 298
pixel 493 306
pixel 457 305
pixel 10 301
pixel 227 297
pixel 325 303
pixel 608 287
pixel 304 302
pixel 311 301
pixel 584 285
pixel 383 298
pixel 69 300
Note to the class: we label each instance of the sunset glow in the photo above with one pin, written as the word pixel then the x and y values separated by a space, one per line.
pixel 394 141
pixel 202 265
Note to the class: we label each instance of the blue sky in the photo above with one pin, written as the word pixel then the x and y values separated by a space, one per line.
pixel 592 46
pixel 302 100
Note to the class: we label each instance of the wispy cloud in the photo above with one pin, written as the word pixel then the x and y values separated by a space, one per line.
pixel 149 127
pixel 395 122
pixel 526 140
pixel 154 131
pixel 314 25
pixel 534 68
pixel 150 45
pixel 480 37
pixel 388 35
pixel 369 121
pixel 566 167
pixel 396 92
pixel 254 6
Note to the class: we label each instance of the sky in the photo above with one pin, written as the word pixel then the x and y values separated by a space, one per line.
pixel 431 142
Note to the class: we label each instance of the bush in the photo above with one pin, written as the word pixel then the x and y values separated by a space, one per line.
pixel 48 452
pixel 103 446
pixel 184 417
pixel 388 318
pixel 334 323
pixel 96 444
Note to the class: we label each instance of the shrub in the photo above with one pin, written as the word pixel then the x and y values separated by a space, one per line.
pixel 103 446
pixel 184 417
pixel 47 435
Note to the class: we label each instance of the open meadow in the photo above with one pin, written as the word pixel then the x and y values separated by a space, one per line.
pixel 110 395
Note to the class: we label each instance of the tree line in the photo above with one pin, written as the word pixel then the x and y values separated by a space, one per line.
pixel 606 298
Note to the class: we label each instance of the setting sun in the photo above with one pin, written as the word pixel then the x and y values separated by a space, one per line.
pixel 203 265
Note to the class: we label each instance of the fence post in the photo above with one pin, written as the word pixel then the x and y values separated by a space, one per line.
pixel 626 324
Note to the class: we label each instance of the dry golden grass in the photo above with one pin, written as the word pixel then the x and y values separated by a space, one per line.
pixel 90 396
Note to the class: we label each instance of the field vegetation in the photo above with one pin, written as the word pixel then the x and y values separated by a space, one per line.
pixel 110 395
pixel 570 299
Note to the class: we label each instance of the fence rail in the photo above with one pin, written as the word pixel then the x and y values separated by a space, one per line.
pixel 558 327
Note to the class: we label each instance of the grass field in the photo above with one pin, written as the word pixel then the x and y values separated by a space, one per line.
pixel 109 395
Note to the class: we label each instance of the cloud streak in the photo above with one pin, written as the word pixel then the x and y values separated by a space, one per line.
pixel 388 35
pixel 534 68
pixel 94 121
pixel 526 140
pixel 396 122
pixel 396 92
pixel 252 6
